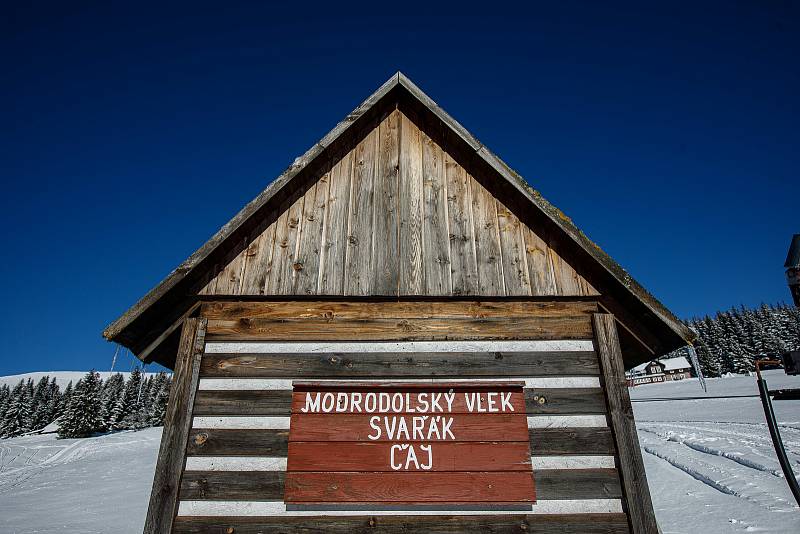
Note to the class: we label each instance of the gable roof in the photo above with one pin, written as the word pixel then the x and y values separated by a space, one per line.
pixel 641 315
pixel 672 364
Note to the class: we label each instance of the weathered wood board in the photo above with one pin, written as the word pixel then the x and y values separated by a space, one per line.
pixel 397 215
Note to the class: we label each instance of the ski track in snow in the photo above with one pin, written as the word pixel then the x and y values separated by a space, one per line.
pixel 699 447
pixel 758 486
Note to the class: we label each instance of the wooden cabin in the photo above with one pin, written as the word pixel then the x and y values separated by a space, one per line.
pixel 398 335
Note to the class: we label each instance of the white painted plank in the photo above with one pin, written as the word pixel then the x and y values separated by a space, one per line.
pixel 253 384
pixel 235 463
pixel 278 508
pixel 258 347
pixel 233 422
pixel 282 423
pixel 566 421
pixel 269 463
pixel 572 462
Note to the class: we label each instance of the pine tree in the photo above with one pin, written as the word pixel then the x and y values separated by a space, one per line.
pixel 135 417
pixel 17 417
pixel 82 416
pixel 53 401
pixel 124 414
pixel 160 396
pixel 39 407
pixel 145 396
pixel 5 393
pixel 112 392
pixel 732 340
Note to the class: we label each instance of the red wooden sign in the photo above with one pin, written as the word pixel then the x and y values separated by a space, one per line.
pixel 419 443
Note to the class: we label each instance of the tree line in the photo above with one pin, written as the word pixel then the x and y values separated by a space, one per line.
pixel 92 405
pixel 732 340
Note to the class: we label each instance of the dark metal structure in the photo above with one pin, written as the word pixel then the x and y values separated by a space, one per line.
pixel 792 266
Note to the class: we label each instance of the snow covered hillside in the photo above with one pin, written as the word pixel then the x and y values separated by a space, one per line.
pixel 710 466
pixel 62 377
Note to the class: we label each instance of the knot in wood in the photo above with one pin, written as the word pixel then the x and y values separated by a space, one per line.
pixel 293 222
pixel 230 530
pixel 297 266
pixel 541 400
pixel 372 521
pixel 284 243
pixel 334 359
pixel 498 355
pixel 353 240
pixel 405 326
pixel 200 438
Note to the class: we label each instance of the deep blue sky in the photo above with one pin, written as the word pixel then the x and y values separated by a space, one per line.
pixel 129 133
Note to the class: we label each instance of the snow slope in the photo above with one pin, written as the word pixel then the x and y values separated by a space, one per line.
pixel 93 485
pixel 62 377
pixel 710 466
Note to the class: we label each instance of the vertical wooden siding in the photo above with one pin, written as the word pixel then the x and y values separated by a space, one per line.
pixel 397 215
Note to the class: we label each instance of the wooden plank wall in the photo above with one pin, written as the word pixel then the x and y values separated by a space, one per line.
pixel 177 424
pixel 397 215
pixel 237 447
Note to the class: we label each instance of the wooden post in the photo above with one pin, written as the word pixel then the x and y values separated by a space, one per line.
pixel 631 466
pixel 177 422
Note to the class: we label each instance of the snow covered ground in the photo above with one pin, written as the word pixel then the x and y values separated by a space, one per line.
pixel 93 485
pixel 710 466
pixel 710 463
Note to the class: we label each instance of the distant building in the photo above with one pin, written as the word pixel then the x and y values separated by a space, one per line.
pixel 659 371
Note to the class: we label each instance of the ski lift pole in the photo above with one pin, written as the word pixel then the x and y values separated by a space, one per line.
pixel 774 432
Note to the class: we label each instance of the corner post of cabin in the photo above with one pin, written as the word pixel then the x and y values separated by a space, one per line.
pixel 631 466
pixel 177 423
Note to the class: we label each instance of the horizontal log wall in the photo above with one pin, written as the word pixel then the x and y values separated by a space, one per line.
pixel 396 215
pixel 238 444
pixel 399 321
pixel 433 524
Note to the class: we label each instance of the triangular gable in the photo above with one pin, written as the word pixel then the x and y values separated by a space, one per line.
pixel 397 216
pixel 264 251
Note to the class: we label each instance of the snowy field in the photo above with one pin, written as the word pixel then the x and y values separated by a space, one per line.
pixel 87 486
pixel 710 466
pixel 710 463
